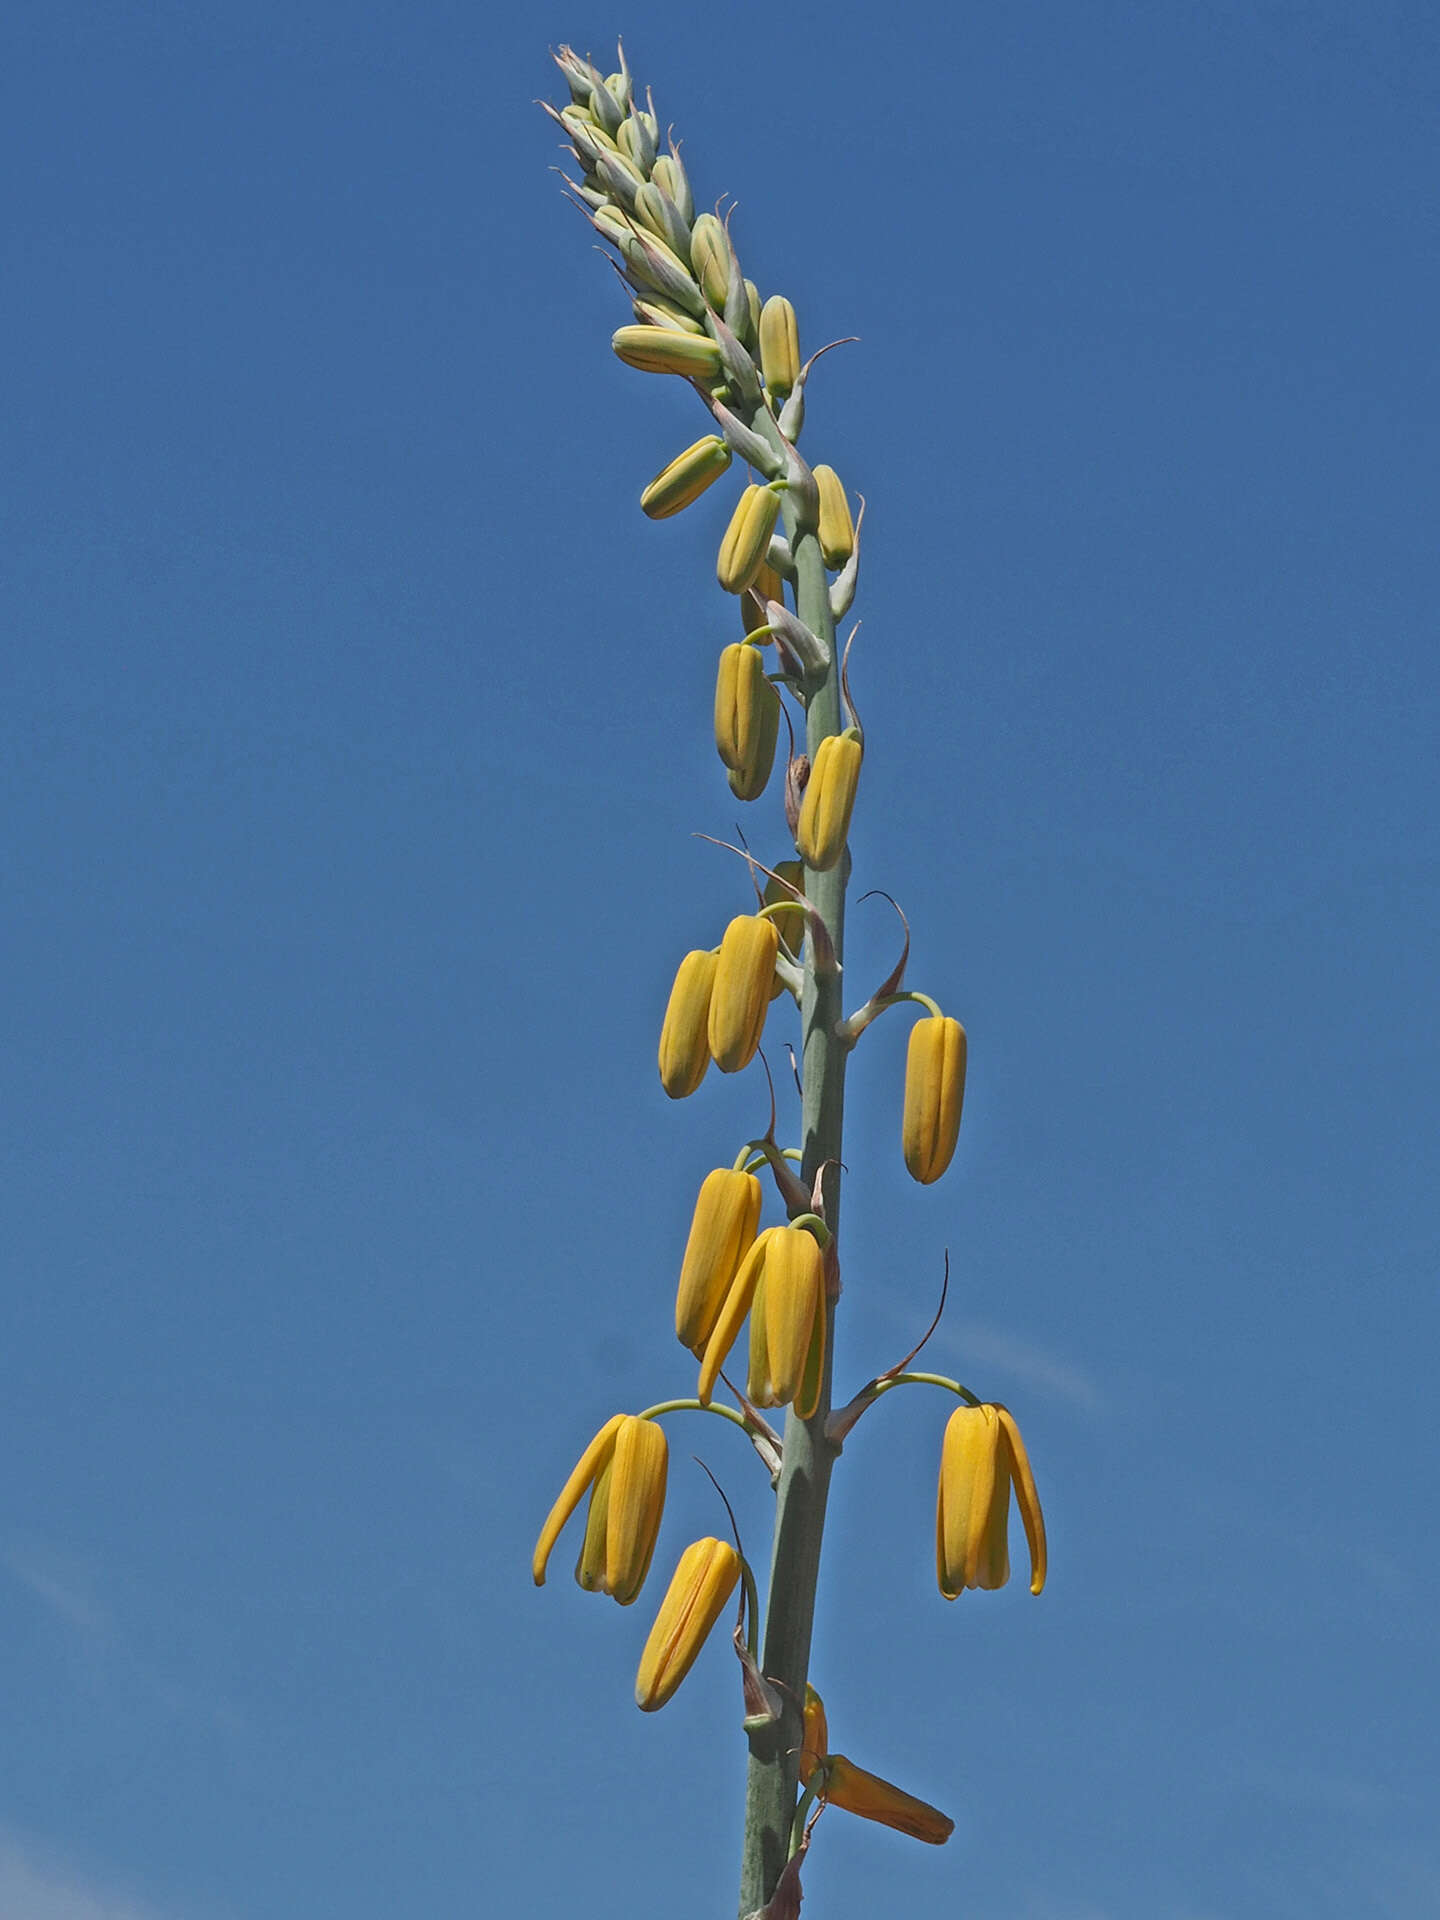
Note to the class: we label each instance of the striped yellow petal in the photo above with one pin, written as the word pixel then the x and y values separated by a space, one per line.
pixel 731 1317
pixel 586 1468
pixel 1026 1498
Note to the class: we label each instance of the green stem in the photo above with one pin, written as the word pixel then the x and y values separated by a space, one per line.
pixel 804 1484
pixel 695 1406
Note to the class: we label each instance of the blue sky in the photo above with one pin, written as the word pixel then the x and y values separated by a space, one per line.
pixel 355 731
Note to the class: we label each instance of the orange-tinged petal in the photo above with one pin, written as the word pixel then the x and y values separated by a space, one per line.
pixel 703 1582
pixel 851 1787
pixel 815 1742
pixel 586 1468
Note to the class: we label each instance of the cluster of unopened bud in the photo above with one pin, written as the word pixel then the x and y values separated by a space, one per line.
pixel 717 1005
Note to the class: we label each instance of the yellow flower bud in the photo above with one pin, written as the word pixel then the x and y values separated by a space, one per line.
pixel 722 1231
pixel 787 1323
pixel 626 1502
pixel 741 992
pixel 815 1742
pixel 686 477
pixel 829 799
pixel 696 1597
pixel 837 529
pixel 747 720
pixel 779 345
pixel 934 1094
pixel 684 1041
pixel 747 538
pixel 982 1456
pixel 851 1787
pixel 663 350
pixel 710 258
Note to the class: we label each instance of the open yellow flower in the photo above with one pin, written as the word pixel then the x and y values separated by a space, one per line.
pixel 624 1469
pixel 982 1456
pixel 702 1584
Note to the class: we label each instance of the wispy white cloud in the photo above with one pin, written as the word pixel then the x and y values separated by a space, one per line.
pixel 1032 1366
pixel 32 1888
pixel 62 1584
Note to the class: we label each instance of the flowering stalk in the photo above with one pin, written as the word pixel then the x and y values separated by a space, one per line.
pixel 696 318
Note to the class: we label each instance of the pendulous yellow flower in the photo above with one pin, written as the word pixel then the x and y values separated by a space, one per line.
pixel 982 1456
pixel 740 995
pixel 787 1324
pixel 934 1094
pixel 722 1231
pixel 624 1470
pixel 829 799
pixel 684 1041
pixel 696 1597
pixel 747 719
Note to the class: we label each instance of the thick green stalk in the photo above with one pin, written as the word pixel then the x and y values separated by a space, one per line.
pixel 805 1475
